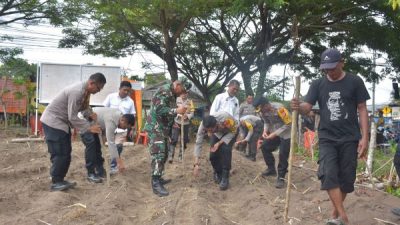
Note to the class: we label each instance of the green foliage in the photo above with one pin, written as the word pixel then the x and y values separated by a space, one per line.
pixel 380 157
pixel 300 150
pixel 393 191
pixel 395 4
pixel 152 79
pixel 18 69
pixel 241 36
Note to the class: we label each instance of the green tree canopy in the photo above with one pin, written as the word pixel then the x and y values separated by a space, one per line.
pixel 218 39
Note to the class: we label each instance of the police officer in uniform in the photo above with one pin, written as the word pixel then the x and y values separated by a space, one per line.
pixel 277 127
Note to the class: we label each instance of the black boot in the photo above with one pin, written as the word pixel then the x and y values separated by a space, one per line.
pixel 280 182
pixel 158 188
pixel 100 172
pixel 217 177
pixel 164 181
pixel 224 181
pixel 269 172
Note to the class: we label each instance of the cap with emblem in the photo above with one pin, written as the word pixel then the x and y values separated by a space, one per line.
pixel 330 58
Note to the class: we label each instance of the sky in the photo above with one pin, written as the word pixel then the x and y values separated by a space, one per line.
pixel 40 45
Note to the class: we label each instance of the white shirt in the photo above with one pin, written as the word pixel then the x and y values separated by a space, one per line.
pixel 125 105
pixel 226 103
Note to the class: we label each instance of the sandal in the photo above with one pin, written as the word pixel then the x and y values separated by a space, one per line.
pixel 337 221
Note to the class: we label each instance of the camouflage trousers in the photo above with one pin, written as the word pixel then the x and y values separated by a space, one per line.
pixel 158 148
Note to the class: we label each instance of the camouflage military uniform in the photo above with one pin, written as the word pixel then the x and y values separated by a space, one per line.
pixel 158 126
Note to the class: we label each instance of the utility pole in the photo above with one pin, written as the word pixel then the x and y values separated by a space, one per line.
pixel 373 84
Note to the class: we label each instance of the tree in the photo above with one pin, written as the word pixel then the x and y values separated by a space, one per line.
pixel 258 34
pixel 33 11
pixel 208 68
pixel 18 71
pixel 122 28
pixel 15 67
pixel 252 36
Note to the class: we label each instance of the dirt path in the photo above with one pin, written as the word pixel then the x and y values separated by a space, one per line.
pixel 251 199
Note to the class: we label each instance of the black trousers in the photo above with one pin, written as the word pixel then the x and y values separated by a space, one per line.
pixel 59 147
pixel 396 159
pixel 268 146
pixel 93 157
pixel 222 158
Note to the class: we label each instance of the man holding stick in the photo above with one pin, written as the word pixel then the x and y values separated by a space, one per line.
pixel 340 95
pixel 181 120
pixel 158 126
pixel 58 119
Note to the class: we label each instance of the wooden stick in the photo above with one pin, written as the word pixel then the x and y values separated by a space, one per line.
pixel 390 178
pixel 21 140
pixel 292 147
pixel 43 222
pixel 383 165
pixel 182 139
pixel 385 221
pixel 106 159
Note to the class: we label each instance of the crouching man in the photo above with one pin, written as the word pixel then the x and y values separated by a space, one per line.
pixel 221 127
pixel 109 120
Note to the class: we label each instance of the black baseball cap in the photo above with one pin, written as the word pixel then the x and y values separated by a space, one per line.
pixel 330 58
pixel 260 101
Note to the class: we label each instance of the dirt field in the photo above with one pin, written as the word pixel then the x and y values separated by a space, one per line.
pixel 251 199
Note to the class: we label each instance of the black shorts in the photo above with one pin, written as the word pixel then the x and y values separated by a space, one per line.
pixel 337 165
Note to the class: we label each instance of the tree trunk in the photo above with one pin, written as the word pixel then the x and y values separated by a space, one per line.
pixel 246 77
pixel 3 104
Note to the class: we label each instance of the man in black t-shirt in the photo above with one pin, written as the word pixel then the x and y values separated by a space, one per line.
pixel 339 95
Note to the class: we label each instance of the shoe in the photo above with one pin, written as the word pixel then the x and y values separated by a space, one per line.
pixel 101 172
pixel 269 172
pixel 280 183
pixel 113 170
pixel 164 181
pixel 70 184
pixel 337 221
pixel 94 178
pixel 251 157
pixel 224 181
pixel 60 186
pixel 170 159
pixel 217 177
pixel 396 211
pixel 158 188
